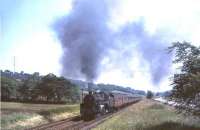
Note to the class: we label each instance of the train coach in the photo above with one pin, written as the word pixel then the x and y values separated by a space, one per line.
pixel 98 103
pixel 122 99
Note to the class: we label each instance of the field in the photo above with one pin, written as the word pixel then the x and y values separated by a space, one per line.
pixel 150 115
pixel 25 115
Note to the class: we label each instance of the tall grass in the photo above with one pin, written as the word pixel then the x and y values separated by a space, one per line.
pixel 21 116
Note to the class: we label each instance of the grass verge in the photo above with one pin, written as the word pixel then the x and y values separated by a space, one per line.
pixel 150 115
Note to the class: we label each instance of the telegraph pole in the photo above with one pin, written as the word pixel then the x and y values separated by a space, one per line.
pixel 1 27
pixel 14 63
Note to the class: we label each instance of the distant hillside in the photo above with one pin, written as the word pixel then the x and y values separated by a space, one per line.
pixel 106 87
pixel 19 76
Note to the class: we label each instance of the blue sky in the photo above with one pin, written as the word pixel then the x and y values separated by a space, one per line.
pixel 26 33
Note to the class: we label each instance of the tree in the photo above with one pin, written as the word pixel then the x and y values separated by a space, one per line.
pixel 9 88
pixel 149 95
pixel 46 88
pixel 28 89
pixel 56 89
pixel 186 84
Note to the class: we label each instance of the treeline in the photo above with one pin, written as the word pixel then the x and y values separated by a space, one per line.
pixel 39 89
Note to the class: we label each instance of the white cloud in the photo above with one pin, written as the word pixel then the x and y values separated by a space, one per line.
pixel 180 17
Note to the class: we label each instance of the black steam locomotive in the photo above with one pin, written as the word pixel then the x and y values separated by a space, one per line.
pixel 99 103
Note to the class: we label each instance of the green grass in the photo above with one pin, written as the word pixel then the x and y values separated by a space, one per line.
pixel 29 106
pixel 59 110
pixel 25 115
pixel 156 106
pixel 149 115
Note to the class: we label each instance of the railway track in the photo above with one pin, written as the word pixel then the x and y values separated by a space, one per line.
pixel 75 123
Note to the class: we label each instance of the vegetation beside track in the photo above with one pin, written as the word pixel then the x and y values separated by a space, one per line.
pixel 25 115
pixel 150 115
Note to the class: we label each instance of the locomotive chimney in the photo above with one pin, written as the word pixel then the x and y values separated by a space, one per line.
pixel 89 87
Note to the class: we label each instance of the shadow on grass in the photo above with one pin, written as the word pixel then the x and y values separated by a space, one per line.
pixel 172 126
pixel 46 115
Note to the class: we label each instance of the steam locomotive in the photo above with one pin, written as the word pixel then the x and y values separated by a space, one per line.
pixel 100 103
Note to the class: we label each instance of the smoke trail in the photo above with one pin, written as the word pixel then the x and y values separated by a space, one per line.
pixel 152 48
pixel 86 39
pixel 83 35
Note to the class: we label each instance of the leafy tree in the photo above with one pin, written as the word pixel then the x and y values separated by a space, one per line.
pixel 149 95
pixel 28 89
pixel 75 93
pixel 9 88
pixel 66 91
pixel 47 87
pixel 56 89
pixel 186 84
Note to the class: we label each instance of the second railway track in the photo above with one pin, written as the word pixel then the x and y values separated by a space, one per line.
pixel 74 123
